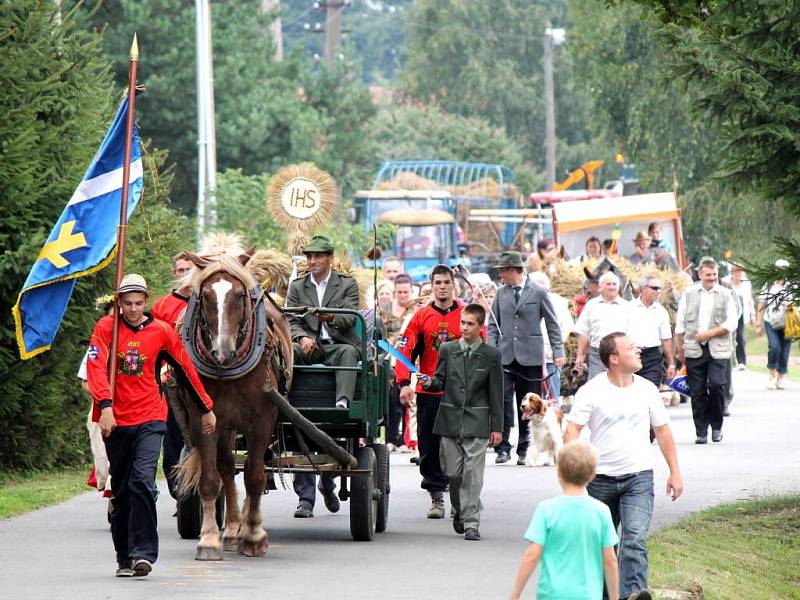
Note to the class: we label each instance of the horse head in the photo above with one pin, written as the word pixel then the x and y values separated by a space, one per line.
pixel 222 286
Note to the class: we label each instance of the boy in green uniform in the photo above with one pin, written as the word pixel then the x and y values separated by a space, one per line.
pixel 471 412
pixel 573 535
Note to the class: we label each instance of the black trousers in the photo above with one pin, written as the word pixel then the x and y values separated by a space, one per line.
pixel 652 365
pixel 394 421
pixel 430 467
pixel 518 380
pixel 707 378
pixel 133 456
pixel 741 354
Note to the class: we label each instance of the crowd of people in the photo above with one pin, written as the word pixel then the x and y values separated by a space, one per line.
pixel 479 349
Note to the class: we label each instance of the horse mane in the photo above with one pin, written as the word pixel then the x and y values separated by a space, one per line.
pixel 222 250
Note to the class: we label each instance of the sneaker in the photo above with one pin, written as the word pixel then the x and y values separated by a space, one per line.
pixel 521 460
pixel 779 384
pixel 772 384
pixel 472 535
pixel 436 510
pixel 331 501
pixel 125 569
pixel 142 567
pixel 701 439
pixel 741 367
pixel 304 510
pixel 716 435
pixel 343 403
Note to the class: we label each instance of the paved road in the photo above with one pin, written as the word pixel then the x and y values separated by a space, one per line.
pixel 65 551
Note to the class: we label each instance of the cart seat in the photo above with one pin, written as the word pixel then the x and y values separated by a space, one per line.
pixel 315 387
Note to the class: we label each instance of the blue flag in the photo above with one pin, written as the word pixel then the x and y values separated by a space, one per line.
pixel 84 239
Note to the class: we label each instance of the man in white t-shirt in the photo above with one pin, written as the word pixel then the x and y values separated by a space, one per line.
pixel 619 407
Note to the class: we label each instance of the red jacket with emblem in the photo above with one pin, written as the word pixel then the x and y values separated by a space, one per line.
pixel 169 308
pixel 141 349
pixel 428 329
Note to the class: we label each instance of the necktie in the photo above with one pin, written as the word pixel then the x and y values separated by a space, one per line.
pixel 517 291
pixel 467 354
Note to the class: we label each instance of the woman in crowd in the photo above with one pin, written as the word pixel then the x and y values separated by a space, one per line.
pixel 770 319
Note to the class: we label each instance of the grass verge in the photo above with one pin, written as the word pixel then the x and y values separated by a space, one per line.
pixel 791 375
pixel 23 492
pixel 735 551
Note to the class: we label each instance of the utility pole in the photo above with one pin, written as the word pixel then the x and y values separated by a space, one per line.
pixel 275 30
pixel 552 38
pixel 206 128
pixel 333 28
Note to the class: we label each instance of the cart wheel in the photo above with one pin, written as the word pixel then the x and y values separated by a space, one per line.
pixel 190 515
pixel 364 497
pixel 384 487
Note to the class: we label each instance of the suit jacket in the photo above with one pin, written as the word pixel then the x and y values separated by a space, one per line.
pixel 341 292
pixel 472 404
pixel 520 324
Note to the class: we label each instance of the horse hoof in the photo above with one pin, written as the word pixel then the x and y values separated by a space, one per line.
pixel 208 554
pixel 253 548
pixel 230 544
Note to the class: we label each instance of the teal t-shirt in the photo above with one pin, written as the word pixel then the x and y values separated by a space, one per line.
pixel 573 531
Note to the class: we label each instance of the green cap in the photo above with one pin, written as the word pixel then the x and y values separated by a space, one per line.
pixel 510 258
pixel 319 243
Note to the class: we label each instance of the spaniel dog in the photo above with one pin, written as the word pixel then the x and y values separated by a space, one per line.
pixel 546 436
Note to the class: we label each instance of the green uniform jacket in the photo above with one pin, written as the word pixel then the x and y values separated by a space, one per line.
pixel 341 292
pixel 472 405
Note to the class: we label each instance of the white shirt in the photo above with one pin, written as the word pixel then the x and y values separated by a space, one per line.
pixel 704 311
pixel 565 323
pixel 648 324
pixel 324 334
pixel 619 419
pixel 599 318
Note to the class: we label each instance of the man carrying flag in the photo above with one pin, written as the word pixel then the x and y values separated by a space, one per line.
pixel 133 423
pixel 82 242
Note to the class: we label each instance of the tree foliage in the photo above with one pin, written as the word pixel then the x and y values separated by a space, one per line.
pixel 740 61
pixel 56 104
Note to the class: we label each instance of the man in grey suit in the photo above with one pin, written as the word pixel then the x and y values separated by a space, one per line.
pixel 324 338
pixel 471 412
pixel 518 310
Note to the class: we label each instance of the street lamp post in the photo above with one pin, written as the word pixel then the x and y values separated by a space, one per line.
pixel 552 38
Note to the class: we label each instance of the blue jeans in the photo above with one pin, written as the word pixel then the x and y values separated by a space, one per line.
pixel 554 382
pixel 630 500
pixel 778 349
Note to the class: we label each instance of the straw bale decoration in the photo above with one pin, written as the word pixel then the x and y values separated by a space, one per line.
pixel 301 199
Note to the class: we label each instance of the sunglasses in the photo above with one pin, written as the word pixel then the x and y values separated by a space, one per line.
pixel 657 288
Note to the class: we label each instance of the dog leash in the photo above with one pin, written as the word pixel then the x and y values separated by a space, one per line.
pixel 528 378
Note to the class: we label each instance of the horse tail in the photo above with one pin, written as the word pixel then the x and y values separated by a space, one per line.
pixel 187 472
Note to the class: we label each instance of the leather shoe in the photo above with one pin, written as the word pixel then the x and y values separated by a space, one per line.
pixel 502 457
pixel 331 501
pixel 472 535
pixel 458 526
pixel 716 435
pixel 304 511
pixel 701 439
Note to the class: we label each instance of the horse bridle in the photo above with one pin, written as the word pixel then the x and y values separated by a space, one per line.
pixel 250 341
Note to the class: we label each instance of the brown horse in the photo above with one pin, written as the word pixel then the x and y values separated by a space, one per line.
pixel 240 343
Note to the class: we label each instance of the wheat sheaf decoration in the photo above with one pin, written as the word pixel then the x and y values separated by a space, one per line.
pixel 301 198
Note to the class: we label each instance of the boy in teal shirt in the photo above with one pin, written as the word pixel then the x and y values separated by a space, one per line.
pixel 573 535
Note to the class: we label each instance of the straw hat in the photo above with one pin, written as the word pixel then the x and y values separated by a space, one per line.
pixel 133 282
pixel 641 236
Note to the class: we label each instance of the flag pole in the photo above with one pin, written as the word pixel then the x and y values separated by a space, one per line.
pixel 122 228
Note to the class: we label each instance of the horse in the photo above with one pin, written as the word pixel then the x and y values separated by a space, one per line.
pixel 240 343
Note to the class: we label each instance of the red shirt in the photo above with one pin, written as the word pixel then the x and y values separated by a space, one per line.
pixel 140 349
pixel 428 329
pixel 170 308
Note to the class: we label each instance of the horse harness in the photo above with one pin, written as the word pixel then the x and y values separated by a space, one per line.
pixel 255 336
